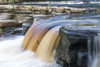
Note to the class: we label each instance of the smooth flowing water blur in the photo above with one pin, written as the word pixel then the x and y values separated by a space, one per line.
pixel 93 52
pixel 94 19
pixel 12 54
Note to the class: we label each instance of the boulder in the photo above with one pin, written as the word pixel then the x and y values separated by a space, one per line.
pixel 72 49
pixel 27 22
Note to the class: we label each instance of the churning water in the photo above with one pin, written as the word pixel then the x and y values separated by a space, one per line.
pixel 12 54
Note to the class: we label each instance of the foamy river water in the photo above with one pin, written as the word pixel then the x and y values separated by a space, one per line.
pixel 12 55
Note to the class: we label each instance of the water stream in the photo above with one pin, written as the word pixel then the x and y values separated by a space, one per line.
pixel 19 51
pixel 12 54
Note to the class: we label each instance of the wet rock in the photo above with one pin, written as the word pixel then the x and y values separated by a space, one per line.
pixel 17 31
pixel 27 22
pixel 7 31
pixel 72 49
pixel 8 23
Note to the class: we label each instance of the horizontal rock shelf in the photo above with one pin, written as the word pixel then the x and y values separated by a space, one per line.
pixel 72 50
pixel 9 1
pixel 7 23
pixel 45 9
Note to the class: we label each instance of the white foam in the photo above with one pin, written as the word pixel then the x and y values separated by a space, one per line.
pixel 12 55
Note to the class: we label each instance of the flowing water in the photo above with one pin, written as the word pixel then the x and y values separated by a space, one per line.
pixel 41 40
pixel 93 51
pixel 95 58
pixel 47 45
pixel 12 54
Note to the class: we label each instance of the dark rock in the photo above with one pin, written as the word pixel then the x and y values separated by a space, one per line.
pixel 7 31
pixel 72 49
pixel 27 22
pixel 18 31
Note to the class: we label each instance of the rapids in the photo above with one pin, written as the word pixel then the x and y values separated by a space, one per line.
pixel 12 54
pixel 41 37
pixel 19 51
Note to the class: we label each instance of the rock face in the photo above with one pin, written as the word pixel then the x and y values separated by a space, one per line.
pixel 6 16
pixel 72 50
pixel 22 9
pixel 27 22
pixel 37 9
pixel 7 23
pixel 9 1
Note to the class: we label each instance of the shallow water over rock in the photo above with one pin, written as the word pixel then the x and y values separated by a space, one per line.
pixel 12 55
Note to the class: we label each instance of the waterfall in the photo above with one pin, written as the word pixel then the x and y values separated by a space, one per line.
pixel 47 45
pixel 93 51
pixel 35 34
pixel 12 55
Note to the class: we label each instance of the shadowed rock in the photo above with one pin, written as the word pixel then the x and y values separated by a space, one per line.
pixel 72 49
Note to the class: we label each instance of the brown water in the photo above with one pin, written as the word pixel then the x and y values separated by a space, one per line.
pixel 35 34
pixel 43 35
pixel 47 45
pixel 27 36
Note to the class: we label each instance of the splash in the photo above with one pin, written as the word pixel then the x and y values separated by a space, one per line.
pixel 12 54
pixel 93 52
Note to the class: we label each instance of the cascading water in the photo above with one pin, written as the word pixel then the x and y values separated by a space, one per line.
pixel 12 54
pixel 41 38
pixel 93 51
pixel 47 45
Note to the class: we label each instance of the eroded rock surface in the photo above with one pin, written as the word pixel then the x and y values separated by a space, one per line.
pixel 72 49
pixel 7 23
